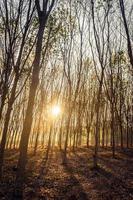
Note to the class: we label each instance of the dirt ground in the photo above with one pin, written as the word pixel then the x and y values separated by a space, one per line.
pixel 76 180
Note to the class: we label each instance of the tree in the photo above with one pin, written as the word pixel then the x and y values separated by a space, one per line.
pixel 43 15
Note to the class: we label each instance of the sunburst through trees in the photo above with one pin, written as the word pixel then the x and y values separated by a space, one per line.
pixel 66 99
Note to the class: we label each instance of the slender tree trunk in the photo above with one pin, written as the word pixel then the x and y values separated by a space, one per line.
pixel 29 112
pixel 88 136
pixel 112 130
pixel 95 156
pixel 7 119
pixel 66 140
pixel 127 135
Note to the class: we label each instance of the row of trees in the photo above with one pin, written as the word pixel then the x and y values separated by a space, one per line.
pixel 75 54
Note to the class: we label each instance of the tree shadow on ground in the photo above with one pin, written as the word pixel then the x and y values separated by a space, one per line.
pixel 116 181
pixel 81 195
pixel 106 176
pixel 127 152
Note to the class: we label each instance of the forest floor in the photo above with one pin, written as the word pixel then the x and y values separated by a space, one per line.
pixel 51 180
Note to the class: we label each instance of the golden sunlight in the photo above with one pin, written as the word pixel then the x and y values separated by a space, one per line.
pixel 55 111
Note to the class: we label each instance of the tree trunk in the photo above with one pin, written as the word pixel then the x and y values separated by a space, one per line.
pixel 7 119
pixel 29 112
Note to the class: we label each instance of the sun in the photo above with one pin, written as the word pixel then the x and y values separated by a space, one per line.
pixel 55 110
